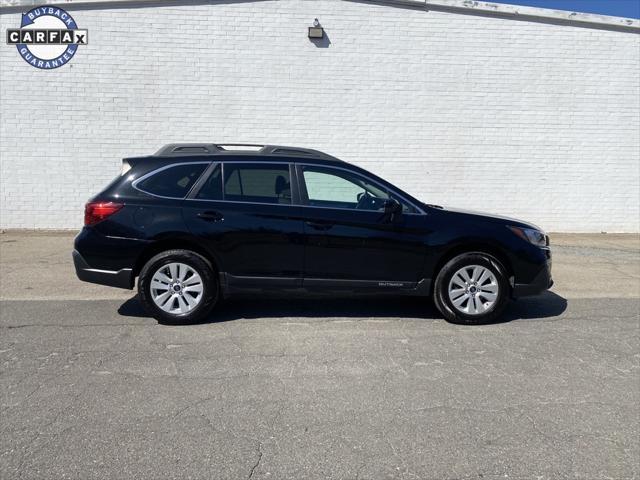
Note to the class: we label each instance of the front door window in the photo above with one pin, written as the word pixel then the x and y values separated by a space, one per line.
pixel 333 188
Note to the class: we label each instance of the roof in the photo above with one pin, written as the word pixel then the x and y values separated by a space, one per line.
pixel 253 151
pixel 471 7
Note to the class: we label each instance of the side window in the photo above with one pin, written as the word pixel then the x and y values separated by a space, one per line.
pixel 332 188
pixel 324 187
pixel 212 188
pixel 257 182
pixel 173 182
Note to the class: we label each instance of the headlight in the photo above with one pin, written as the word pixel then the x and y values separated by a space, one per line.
pixel 536 237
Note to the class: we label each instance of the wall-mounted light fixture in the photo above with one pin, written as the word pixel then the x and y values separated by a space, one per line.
pixel 316 32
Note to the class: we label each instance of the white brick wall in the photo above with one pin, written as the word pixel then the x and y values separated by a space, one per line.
pixel 530 119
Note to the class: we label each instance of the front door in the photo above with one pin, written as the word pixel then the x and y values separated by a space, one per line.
pixel 351 242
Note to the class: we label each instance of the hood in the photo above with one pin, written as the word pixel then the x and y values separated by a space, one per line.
pixel 487 217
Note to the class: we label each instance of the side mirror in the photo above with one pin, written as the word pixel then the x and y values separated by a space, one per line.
pixel 392 210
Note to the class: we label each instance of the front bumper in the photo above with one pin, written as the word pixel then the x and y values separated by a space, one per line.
pixel 540 283
pixel 122 278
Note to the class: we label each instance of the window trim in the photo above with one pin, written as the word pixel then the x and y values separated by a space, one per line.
pixel 305 196
pixel 135 183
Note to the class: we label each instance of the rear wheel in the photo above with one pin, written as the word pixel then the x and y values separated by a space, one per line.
pixel 472 288
pixel 178 287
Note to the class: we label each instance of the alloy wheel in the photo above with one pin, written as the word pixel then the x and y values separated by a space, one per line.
pixel 176 288
pixel 473 290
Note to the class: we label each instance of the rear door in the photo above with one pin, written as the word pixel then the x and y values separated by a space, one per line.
pixel 245 213
pixel 350 240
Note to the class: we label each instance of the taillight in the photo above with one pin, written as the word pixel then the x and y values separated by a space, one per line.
pixel 95 212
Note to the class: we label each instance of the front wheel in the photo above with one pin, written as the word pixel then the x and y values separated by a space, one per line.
pixel 471 288
pixel 178 287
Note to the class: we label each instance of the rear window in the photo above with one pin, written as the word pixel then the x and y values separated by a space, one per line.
pixel 173 182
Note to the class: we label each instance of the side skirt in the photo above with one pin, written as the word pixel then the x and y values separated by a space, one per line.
pixel 232 284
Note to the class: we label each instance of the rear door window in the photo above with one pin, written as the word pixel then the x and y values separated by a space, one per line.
pixel 212 187
pixel 257 183
pixel 172 182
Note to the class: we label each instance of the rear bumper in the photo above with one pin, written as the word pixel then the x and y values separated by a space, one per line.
pixel 122 278
pixel 540 283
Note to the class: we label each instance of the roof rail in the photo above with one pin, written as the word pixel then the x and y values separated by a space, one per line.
pixel 187 149
pixel 181 149
pixel 295 151
pixel 251 146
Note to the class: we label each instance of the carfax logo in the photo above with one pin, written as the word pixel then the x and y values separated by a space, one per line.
pixel 48 37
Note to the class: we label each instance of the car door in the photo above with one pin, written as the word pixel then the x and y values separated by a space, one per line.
pixel 244 212
pixel 351 241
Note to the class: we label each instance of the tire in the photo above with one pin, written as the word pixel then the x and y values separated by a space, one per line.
pixel 182 305
pixel 480 306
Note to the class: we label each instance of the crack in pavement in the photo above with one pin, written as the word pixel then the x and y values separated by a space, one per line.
pixel 77 325
pixel 253 469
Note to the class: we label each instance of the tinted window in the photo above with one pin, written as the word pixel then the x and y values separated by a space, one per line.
pixel 174 182
pixel 332 188
pixel 260 183
pixel 212 188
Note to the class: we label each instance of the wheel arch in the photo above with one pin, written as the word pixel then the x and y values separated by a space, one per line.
pixel 474 247
pixel 163 245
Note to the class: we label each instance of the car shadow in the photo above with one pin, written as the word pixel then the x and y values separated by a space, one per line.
pixel 546 305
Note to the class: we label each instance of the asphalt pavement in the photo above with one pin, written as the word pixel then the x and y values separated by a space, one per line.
pixel 92 388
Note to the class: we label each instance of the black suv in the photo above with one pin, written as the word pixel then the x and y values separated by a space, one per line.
pixel 198 222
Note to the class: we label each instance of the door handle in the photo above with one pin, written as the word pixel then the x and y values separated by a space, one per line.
pixel 319 225
pixel 211 216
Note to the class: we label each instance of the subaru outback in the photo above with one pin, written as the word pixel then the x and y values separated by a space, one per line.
pixel 195 223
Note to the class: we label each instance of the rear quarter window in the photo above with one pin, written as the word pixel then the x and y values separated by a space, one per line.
pixel 173 182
